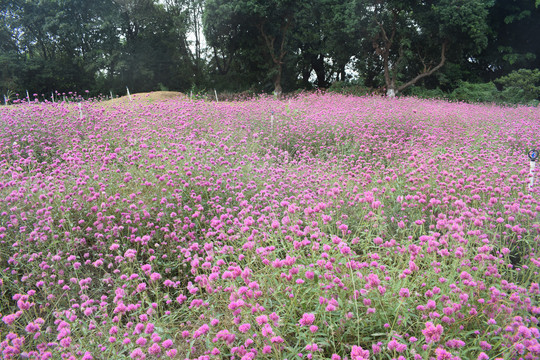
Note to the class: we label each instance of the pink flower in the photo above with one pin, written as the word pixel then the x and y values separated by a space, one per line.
pixel 357 353
pixel 244 327
pixel 155 276
pixel 404 292
pixel 137 354
pixel 262 319
pixel 200 331
pixel 307 319
pixel 167 343
pixel 432 333
pixel 149 328
pixel 277 339
pixel 154 349
pixel 443 354
pixel 395 345
pixel 267 330
pixel 372 281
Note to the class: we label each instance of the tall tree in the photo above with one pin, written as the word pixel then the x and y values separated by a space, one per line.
pixel 273 20
pixel 325 39
pixel 419 35
pixel 234 46
pixel 187 16
pixel 512 44
pixel 57 41
pixel 151 52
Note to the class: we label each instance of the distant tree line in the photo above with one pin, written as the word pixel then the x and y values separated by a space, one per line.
pixel 395 46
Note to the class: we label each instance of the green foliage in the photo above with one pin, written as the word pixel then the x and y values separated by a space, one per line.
pixel 521 86
pixel 97 45
pixel 511 47
pixel 423 93
pixel 470 92
pixel 255 45
pixel 349 88
pixel 412 40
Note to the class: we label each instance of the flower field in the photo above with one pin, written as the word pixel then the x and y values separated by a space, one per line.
pixel 324 227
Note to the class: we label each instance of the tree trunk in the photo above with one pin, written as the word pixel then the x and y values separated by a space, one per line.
pixel 277 82
pixel 427 71
pixel 306 73
pixel 341 75
pixel 317 62
pixel 277 59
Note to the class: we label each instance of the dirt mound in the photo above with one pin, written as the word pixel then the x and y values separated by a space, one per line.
pixel 148 97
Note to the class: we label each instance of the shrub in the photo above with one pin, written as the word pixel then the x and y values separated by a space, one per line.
pixel 350 88
pixel 470 92
pixel 424 93
pixel 520 87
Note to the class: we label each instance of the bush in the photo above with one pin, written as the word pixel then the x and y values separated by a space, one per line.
pixel 424 93
pixel 350 88
pixel 520 87
pixel 470 92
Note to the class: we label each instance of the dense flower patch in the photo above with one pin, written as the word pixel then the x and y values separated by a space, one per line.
pixel 325 227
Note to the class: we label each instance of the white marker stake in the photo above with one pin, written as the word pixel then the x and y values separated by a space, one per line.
pixel 191 95
pixel 80 112
pixel 533 156
pixel 52 97
pixel 27 96
pixel 215 92
pixel 110 92
pixel 129 94
pixel 531 174
pixel 5 100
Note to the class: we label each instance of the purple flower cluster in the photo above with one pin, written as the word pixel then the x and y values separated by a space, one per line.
pixel 193 230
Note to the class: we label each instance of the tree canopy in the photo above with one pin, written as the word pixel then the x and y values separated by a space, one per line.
pixel 271 45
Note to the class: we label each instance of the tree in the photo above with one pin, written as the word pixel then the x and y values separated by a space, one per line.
pixel 325 38
pixel 56 42
pixel 523 85
pixel 187 17
pixel 273 21
pixel 9 60
pixel 408 35
pixel 512 44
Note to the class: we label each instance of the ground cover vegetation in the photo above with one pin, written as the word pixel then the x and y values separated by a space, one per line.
pixel 322 227
pixel 463 50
